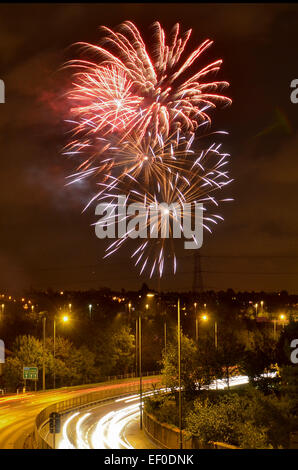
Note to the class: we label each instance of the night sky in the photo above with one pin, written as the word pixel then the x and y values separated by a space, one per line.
pixel 47 242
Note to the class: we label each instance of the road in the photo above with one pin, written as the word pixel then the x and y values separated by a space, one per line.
pixel 18 412
pixel 113 425
pixel 109 425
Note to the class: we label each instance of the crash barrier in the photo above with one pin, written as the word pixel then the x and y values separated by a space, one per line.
pixel 168 437
pixel 85 400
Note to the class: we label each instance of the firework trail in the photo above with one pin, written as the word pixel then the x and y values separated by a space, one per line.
pixel 137 122
pixel 169 172
pixel 133 92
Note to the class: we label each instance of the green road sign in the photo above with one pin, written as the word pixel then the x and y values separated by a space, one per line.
pixel 30 373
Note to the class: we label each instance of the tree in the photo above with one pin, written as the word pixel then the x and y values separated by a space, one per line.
pixel 228 354
pixel 258 359
pixel 123 349
pixel 72 366
pixel 246 420
pixel 27 352
pixel 114 350
pixel 189 365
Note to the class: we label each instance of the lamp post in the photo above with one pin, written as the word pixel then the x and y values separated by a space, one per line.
pixel 197 322
pixel 282 318
pixel 44 319
pixel 179 375
pixel 165 334
pixel 274 328
pixel 129 312
pixel 215 334
pixel 54 353
pixel 215 344
pixel 140 368
pixel 90 311
pixel 136 352
pixel 65 319
pixel 149 295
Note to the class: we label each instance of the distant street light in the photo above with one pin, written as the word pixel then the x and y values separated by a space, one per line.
pixel 90 311
pixel 282 317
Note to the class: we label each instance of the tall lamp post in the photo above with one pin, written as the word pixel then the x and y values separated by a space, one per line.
pixel 215 334
pixel 197 322
pixel 179 376
pixel 282 318
pixel 137 340
pixel 149 295
pixel 44 319
pixel 65 319
pixel 140 371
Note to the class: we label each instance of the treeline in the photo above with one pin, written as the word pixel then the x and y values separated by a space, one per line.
pixel 260 414
pixel 111 354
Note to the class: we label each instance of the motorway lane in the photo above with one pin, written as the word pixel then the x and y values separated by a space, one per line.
pixel 104 426
pixel 113 425
pixel 17 413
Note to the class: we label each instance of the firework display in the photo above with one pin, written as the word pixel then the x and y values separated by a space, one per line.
pixel 139 121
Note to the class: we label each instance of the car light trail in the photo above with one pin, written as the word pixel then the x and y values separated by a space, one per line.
pixel 81 443
pixel 109 431
pixel 65 443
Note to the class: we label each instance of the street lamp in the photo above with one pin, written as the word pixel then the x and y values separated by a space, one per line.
pixel 282 317
pixel 197 322
pixel 90 310
pixel 149 295
pixel 179 375
pixel 44 319
pixel 65 319
pixel 140 368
